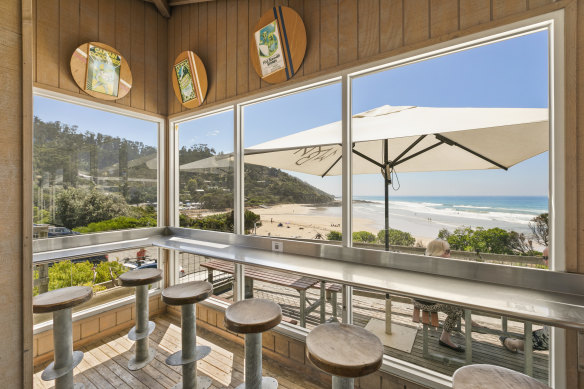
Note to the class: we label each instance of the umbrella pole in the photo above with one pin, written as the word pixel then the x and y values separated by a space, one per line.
pixel 387 182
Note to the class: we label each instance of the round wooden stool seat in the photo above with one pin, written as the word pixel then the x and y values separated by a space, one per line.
pixel 56 300
pixel 188 293
pixel 344 350
pixel 141 277
pixel 252 316
pixel 489 376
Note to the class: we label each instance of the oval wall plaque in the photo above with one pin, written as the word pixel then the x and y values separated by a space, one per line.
pixel 278 44
pixel 101 71
pixel 189 79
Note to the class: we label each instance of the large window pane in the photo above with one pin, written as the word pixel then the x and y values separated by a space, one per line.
pixel 492 101
pixel 206 172
pixel 292 179
pixel 93 170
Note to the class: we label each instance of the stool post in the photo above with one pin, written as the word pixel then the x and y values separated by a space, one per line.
pixel 142 315
pixel 343 382
pixel 189 344
pixel 253 361
pixel 63 343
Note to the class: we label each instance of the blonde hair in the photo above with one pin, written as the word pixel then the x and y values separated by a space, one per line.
pixel 437 248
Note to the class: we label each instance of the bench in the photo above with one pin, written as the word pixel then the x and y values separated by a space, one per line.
pixel 299 283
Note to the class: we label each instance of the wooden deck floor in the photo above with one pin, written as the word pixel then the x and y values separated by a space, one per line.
pixel 105 363
pixel 486 347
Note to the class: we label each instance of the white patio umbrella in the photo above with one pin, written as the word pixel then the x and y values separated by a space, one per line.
pixel 413 139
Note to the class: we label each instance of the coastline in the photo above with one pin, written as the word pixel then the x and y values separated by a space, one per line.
pixel 305 221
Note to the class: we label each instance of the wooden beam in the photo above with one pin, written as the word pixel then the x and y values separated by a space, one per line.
pixel 162 6
pixel 172 3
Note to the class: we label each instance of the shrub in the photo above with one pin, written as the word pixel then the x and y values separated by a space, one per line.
pixel 397 238
pixel 334 235
pixel 77 207
pixel 364 236
pixel 118 223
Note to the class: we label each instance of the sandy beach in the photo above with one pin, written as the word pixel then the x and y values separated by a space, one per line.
pixel 307 221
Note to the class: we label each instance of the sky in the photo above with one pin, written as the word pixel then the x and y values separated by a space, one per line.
pixel 511 73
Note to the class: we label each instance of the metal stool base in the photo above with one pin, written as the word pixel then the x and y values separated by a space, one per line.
pixel 177 359
pixel 137 365
pixel 343 382
pixel 267 383
pixel 51 373
pixel 202 383
pixel 133 335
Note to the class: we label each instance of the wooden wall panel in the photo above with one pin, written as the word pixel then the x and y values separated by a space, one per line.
pixel 391 33
pixel 368 31
pixel 133 27
pixel 503 8
pixel 211 51
pixel 348 33
pixel 68 38
pixel 242 47
pixel 15 301
pixel 329 48
pixel 473 12
pixel 231 48
pixel 416 21
pixel 221 69
pixel 138 64
pixel 47 37
pixel 443 17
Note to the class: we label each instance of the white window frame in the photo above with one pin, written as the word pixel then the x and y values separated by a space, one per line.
pixel 554 23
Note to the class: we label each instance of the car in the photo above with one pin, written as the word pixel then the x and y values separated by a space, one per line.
pixel 95 259
pixel 55 232
pixel 134 265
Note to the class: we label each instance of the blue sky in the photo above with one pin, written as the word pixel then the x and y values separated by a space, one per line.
pixel 94 120
pixel 511 73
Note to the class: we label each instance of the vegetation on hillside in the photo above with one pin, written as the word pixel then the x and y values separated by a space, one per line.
pixel 396 237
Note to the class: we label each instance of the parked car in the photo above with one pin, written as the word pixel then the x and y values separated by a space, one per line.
pixel 95 259
pixel 55 232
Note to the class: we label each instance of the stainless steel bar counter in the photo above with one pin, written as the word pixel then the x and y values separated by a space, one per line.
pixel 531 294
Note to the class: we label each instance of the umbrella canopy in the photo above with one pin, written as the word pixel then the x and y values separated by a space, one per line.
pixel 418 139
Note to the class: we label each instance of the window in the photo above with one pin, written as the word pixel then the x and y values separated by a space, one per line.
pixel 206 172
pixel 93 170
pixel 287 190
pixel 492 102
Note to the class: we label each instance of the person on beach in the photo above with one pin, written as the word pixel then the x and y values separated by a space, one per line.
pixel 541 337
pixel 441 248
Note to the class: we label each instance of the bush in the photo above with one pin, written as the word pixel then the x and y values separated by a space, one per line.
pixel 397 238
pixel 334 235
pixel 78 207
pixel 364 237
pixel 220 222
pixel 493 240
pixel 118 223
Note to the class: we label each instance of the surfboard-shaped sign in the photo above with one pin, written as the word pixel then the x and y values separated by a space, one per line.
pixel 101 71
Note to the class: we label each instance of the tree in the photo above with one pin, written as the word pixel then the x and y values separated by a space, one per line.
pixel 334 235
pixel 540 229
pixel 364 236
pixel 77 207
pixel 493 240
pixel 397 238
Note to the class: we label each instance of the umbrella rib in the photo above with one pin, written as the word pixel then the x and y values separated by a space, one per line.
pixel 368 158
pixel 333 165
pixel 450 142
pixel 395 161
pixel 418 153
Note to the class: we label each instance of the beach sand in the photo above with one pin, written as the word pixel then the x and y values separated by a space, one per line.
pixel 307 221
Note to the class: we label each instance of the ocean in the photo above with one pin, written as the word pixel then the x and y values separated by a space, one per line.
pixel 425 216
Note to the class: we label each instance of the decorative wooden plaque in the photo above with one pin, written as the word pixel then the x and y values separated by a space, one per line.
pixel 278 44
pixel 189 79
pixel 101 71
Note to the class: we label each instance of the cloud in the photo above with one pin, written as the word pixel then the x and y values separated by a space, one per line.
pixel 213 133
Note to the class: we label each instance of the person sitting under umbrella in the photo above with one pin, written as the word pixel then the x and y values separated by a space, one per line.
pixel 441 248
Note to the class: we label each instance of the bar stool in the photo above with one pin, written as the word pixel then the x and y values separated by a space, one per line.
pixel 139 333
pixel 345 351
pixel 187 295
pixel 252 317
pixel 60 302
pixel 490 376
